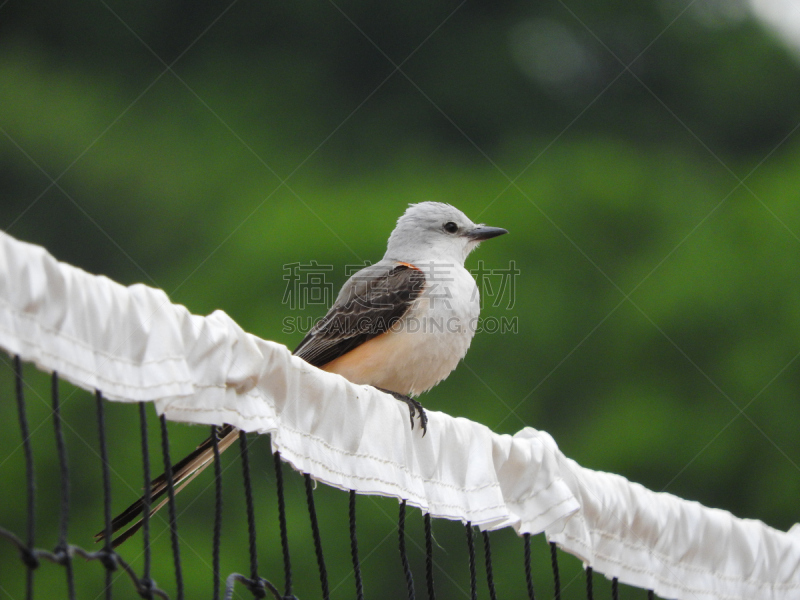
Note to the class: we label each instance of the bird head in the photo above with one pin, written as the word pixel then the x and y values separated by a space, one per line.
pixel 436 231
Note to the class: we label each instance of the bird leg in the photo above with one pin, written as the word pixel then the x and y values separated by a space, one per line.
pixel 413 407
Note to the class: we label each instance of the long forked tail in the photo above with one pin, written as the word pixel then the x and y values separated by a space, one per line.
pixel 182 473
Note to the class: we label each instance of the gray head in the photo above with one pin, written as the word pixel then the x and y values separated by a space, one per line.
pixel 436 231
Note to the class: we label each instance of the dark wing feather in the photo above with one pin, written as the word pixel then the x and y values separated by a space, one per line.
pixel 366 309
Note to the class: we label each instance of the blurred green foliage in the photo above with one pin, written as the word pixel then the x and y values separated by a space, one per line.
pixel 642 154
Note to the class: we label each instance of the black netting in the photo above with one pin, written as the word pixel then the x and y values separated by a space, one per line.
pixel 161 543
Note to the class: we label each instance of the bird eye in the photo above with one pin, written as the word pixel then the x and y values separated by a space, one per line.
pixel 450 227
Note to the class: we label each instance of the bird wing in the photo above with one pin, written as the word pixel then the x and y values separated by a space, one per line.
pixel 369 304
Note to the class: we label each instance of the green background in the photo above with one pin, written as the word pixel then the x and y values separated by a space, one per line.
pixel 643 155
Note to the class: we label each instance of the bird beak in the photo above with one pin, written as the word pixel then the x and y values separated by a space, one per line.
pixel 482 232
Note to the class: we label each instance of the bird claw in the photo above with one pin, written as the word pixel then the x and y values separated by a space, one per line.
pixel 414 406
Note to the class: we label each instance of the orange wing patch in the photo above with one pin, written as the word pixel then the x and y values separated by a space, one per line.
pixel 409 265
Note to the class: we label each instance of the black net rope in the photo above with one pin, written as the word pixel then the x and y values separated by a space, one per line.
pixel 401 534
pixel 526 539
pixel 556 576
pixel 287 561
pixel 173 519
pixel 27 552
pixel 487 555
pixel 109 559
pixel 354 548
pixel 146 583
pixel 112 562
pixel 473 571
pixel 251 515
pixel 589 584
pixel 216 543
pixel 429 556
pixel 312 514
pixel 61 551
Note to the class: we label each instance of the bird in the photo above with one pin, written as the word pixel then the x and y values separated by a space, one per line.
pixel 401 325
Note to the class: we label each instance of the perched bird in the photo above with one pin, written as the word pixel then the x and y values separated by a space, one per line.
pixel 400 325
